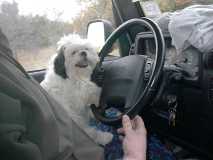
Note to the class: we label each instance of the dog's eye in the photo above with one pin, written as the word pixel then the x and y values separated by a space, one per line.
pixel 74 52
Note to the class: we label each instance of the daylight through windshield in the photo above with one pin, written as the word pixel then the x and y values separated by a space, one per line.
pixel 34 27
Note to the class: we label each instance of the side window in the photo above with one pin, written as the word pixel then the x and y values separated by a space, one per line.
pixel 34 31
pixel 115 50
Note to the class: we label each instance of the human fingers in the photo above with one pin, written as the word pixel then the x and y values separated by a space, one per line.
pixel 120 131
pixel 127 125
pixel 139 124
pixel 133 124
pixel 121 138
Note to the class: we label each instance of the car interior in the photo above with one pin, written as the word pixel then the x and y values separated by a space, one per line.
pixel 175 99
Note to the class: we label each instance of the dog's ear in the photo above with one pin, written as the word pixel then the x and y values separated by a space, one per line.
pixel 59 63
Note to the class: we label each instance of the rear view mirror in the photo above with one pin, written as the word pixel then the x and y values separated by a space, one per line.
pixel 98 31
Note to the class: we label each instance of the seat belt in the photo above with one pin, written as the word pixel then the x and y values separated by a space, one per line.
pixel 12 60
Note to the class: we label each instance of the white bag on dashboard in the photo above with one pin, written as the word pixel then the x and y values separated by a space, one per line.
pixel 192 26
pixel 163 21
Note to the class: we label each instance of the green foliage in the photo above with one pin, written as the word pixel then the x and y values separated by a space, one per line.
pixel 96 9
pixel 166 5
pixel 9 9
pixel 28 32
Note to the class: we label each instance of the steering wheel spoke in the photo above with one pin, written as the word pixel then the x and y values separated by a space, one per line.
pixel 148 69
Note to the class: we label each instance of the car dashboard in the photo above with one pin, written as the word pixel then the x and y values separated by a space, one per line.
pixel 189 60
pixel 189 80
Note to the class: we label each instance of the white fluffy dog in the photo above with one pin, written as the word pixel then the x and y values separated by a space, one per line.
pixel 68 81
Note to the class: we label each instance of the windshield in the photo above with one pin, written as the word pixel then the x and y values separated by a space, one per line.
pixel 34 27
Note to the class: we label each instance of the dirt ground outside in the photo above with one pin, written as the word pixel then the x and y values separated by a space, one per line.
pixel 35 59
pixel 38 59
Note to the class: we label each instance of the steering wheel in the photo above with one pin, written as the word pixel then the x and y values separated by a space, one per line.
pixel 130 82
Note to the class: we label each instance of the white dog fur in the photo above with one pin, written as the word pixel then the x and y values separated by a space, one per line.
pixel 68 81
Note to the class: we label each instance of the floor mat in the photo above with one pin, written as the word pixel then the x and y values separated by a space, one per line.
pixel 113 150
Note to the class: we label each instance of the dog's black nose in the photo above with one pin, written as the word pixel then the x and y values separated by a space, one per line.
pixel 83 53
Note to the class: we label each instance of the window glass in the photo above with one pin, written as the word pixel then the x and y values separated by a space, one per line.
pixel 115 52
pixel 34 27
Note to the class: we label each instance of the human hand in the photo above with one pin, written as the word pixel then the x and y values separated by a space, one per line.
pixel 135 140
